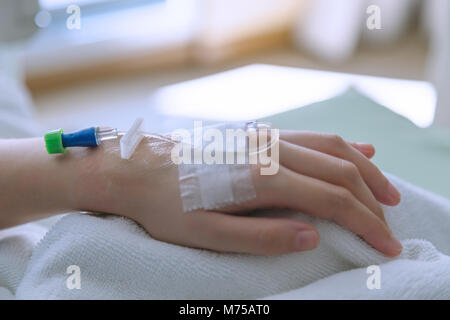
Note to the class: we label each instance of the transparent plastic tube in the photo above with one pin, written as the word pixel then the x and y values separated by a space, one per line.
pixel 256 127
pixel 105 133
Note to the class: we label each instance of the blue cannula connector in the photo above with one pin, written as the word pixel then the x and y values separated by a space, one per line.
pixel 57 141
pixel 82 138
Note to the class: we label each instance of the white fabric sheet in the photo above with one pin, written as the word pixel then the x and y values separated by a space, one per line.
pixel 119 260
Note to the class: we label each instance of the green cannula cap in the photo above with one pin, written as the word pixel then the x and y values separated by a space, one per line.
pixel 53 141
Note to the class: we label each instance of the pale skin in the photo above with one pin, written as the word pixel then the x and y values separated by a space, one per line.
pixel 321 175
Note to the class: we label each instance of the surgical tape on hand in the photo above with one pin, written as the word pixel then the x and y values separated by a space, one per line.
pixel 213 186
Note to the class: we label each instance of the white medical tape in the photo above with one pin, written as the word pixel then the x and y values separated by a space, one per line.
pixel 213 186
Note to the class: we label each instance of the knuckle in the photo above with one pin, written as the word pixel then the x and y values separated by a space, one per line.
pixel 375 229
pixel 350 172
pixel 335 140
pixel 268 239
pixel 378 211
pixel 342 199
pixel 268 187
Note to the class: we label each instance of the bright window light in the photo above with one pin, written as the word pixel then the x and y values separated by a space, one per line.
pixel 58 4
pixel 258 91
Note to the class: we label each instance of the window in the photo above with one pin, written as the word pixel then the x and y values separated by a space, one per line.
pixel 54 5
pixel 110 30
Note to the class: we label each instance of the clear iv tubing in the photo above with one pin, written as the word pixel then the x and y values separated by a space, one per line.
pixel 274 134
pixel 251 126
pixel 145 134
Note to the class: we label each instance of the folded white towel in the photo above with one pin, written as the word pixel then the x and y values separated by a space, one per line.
pixel 118 260
pixel 16 246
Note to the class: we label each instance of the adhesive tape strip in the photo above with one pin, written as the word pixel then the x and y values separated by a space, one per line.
pixel 213 186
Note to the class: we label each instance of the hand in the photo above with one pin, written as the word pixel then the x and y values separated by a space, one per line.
pixel 321 175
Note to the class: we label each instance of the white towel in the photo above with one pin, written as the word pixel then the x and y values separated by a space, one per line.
pixel 118 260
pixel 16 247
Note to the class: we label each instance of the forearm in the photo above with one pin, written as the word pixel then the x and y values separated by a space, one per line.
pixel 33 184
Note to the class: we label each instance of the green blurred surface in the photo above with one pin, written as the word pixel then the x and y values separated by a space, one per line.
pixel 418 155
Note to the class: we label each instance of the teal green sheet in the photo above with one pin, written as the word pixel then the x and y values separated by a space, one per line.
pixel 420 156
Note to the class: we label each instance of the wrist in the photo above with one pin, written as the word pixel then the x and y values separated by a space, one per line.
pixel 34 184
pixel 64 179
pixel 57 179
pixel 92 187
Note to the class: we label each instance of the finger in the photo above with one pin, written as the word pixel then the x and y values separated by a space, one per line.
pixel 366 149
pixel 264 236
pixel 327 201
pixel 325 167
pixel 334 145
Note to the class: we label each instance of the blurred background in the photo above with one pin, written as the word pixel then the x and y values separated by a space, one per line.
pixel 106 67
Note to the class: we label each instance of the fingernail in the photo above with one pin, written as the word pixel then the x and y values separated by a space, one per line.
pixel 307 240
pixel 393 247
pixel 366 148
pixel 394 195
